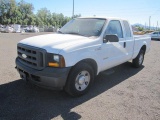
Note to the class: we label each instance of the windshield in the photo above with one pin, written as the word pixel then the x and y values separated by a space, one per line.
pixel 84 26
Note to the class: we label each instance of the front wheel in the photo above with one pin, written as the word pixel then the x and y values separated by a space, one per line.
pixel 138 61
pixel 80 79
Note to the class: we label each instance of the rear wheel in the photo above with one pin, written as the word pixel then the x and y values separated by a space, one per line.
pixel 138 61
pixel 80 79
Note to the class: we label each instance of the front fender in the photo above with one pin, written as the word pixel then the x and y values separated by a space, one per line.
pixel 74 57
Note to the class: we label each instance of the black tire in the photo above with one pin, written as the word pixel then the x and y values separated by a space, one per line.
pixel 136 62
pixel 72 81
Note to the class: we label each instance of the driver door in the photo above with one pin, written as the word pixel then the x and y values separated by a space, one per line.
pixel 114 52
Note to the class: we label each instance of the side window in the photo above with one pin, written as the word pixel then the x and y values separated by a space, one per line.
pixel 127 29
pixel 114 27
pixel 155 33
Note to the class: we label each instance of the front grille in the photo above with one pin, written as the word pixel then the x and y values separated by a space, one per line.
pixel 31 56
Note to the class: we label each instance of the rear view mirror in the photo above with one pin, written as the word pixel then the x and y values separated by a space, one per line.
pixel 111 38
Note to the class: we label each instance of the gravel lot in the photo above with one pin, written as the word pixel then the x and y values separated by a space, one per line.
pixel 127 94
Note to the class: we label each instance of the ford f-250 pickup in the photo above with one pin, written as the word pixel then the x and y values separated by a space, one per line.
pixel 80 50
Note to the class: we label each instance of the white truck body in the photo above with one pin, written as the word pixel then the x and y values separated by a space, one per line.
pixel 97 51
pixel 75 48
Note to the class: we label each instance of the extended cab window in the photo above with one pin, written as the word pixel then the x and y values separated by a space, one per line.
pixel 127 29
pixel 115 28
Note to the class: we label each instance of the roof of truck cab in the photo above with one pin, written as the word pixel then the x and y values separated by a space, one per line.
pixel 102 17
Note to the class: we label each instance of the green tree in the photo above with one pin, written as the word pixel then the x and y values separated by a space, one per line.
pixel 140 28
pixel 75 16
pixel 26 13
pixel 8 11
pixel 44 15
pixel 12 12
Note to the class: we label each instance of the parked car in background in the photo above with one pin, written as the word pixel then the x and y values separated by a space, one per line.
pixel 24 27
pixel 32 28
pixel 9 29
pixel 35 29
pixel 155 35
pixel 2 28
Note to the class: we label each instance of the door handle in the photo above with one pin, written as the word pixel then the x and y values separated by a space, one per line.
pixel 124 44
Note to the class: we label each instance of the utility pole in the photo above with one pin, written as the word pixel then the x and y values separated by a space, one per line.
pixel 153 27
pixel 73 10
pixel 149 22
pixel 157 26
pixel 145 26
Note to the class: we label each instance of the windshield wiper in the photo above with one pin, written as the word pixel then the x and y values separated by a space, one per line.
pixel 74 33
pixel 60 32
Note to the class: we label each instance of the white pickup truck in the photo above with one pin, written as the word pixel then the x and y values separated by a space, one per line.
pixel 84 47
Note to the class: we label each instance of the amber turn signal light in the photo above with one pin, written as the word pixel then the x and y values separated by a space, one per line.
pixel 51 64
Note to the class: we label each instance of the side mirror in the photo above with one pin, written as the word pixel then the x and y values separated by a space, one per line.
pixel 110 38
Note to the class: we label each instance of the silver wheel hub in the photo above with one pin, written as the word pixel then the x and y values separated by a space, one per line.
pixel 141 59
pixel 82 80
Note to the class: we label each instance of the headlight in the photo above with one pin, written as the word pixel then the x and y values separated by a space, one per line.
pixel 54 60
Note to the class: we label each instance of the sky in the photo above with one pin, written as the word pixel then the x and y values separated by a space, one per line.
pixel 136 11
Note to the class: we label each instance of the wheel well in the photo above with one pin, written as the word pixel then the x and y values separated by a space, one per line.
pixel 144 48
pixel 92 63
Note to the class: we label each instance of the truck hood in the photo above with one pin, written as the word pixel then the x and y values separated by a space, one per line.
pixel 54 43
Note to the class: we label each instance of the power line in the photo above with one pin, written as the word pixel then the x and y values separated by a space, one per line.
pixel 155 12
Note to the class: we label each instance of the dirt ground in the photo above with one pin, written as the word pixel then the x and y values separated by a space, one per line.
pixel 127 94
